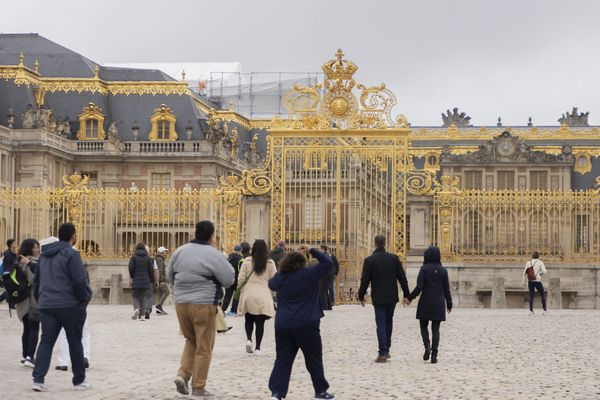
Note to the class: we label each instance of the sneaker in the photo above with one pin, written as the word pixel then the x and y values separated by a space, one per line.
pixel 546 312
pixel 531 313
pixel 276 397
pixel 22 360
pixel 86 363
pixel 201 392
pixel 257 352
pixel 82 386
pixel 39 387
pixel 181 385
pixel 136 314
pixel 226 330
pixel 249 347
pixel 324 395
pixel 61 368
pixel 159 309
pixel 29 363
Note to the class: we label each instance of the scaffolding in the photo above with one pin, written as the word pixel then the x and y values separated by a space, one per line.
pixel 255 94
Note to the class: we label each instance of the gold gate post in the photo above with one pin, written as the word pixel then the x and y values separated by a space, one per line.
pixel 445 197
pixel 74 191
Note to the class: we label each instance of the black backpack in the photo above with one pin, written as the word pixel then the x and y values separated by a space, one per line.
pixel 16 284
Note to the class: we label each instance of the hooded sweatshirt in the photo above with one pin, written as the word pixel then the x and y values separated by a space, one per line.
pixel 61 281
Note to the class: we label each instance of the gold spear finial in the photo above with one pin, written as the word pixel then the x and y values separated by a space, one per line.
pixel 36 67
pixel 21 59
pixel 96 71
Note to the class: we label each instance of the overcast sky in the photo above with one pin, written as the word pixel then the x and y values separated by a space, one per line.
pixel 509 58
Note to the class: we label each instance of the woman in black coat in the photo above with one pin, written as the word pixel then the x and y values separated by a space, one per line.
pixel 435 299
pixel 141 272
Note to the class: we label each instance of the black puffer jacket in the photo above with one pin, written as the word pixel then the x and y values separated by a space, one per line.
pixel 141 270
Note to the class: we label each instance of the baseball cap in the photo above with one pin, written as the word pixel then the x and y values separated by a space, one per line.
pixel 161 249
pixel 237 247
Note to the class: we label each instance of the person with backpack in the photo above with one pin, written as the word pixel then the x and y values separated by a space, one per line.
pixel 534 269
pixel 434 287
pixel 27 308
pixel 141 272
pixel 235 261
pixel 62 291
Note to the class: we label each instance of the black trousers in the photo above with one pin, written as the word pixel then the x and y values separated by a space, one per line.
pixel 228 296
pixel 259 321
pixel 29 338
pixel 287 342
pixel 53 319
pixel 435 333
pixel 533 286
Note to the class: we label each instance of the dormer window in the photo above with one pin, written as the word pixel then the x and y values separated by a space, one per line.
pixel 91 123
pixel 163 124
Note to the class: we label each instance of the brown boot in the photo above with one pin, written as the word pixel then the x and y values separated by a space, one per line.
pixel 381 359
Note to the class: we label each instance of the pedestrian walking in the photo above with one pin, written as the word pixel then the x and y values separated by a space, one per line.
pixel 141 273
pixel 27 309
pixel 332 278
pixel 434 287
pixel 256 299
pixel 62 290
pixel 235 259
pixel 9 258
pixel 198 271
pixel 278 252
pixel 163 285
pixel 382 270
pixel 534 269
pixel 298 320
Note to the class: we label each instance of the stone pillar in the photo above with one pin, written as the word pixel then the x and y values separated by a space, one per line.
pixel 418 234
pixel 257 220
pixel 498 293
pixel 116 289
pixel 554 295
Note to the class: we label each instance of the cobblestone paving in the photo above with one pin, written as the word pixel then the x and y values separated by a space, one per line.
pixel 484 354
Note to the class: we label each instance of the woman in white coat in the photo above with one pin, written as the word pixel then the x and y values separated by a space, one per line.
pixel 256 299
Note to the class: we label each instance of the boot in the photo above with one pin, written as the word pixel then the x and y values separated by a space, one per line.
pixel 427 353
pixel 434 357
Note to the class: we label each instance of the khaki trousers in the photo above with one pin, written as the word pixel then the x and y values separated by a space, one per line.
pixel 198 325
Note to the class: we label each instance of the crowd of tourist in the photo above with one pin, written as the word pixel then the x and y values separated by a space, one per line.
pixel 47 285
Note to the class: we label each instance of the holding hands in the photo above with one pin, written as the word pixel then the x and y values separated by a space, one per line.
pixel 406 302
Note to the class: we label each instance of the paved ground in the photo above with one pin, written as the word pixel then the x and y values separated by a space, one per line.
pixel 484 354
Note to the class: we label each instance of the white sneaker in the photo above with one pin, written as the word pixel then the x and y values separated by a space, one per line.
pixel 249 347
pixel 136 314
pixel 531 313
pixel 39 387
pixel 257 352
pixel 546 312
pixel 82 386
pixel 28 363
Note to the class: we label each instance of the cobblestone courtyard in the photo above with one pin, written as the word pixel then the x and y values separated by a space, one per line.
pixel 484 354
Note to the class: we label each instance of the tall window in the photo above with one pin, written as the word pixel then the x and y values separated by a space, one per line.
pixel 506 180
pixel 312 212
pixel 538 180
pixel 93 178
pixel 473 180
pixel 164 130
pixel 91 129
pixel 161 180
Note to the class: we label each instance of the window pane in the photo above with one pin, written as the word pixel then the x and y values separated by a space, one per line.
pixel 312 210
pixel 506 180
pixel 538 180
pixel 473 180
pixel 161 180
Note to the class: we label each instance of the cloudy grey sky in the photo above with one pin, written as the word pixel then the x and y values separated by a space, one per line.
pixel 509 58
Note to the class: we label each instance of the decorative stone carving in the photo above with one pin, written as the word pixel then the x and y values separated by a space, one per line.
pixel 506 148
pixel 114 138
pixel 28 117
pixel 454 118
pixel 575 119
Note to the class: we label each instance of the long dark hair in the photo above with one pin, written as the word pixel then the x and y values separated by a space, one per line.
pixel 26 249
pixel 260 256
pixel 292 262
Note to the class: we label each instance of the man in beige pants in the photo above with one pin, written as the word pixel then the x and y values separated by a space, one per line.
pixel 198 272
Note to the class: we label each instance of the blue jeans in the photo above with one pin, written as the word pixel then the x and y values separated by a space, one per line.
pixel 53 319
pixel 540 288
pixel 384 318
pixel 287 343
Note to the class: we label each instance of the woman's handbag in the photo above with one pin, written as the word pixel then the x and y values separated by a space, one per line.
pixel 238 291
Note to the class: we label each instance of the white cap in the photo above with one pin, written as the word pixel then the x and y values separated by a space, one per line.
pixel 161 249
pixel 48 240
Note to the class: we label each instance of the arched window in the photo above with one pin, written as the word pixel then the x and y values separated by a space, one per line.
pixel 505 231
pixel 91 123
pixel 473 230
pixel 163 124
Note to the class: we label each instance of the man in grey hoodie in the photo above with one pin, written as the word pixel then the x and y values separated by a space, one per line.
pixel 199 272
pixel 62 290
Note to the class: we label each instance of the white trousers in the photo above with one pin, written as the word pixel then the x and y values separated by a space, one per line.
pixel 62 346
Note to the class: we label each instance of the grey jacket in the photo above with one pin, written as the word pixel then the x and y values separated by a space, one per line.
pixel 199 272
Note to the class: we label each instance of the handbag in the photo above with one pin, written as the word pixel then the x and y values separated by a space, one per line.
pixel 238 291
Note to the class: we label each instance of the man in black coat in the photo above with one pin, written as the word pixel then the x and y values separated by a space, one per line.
pixel 382 270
